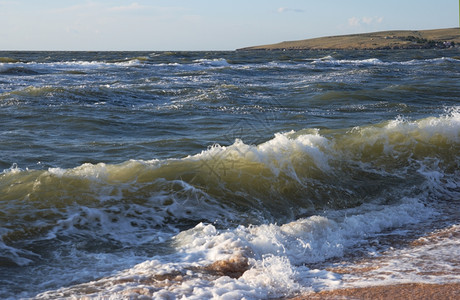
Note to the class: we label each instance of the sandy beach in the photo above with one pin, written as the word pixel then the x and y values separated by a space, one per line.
pixel 399 291
pixel 368 268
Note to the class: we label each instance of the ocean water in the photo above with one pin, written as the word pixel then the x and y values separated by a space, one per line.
pixel 227 175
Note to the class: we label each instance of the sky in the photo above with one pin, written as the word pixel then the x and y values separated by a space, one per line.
pixel 162 25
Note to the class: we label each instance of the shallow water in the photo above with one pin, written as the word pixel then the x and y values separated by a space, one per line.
pixel 225 174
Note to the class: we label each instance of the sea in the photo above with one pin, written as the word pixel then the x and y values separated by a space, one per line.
pixel 227 174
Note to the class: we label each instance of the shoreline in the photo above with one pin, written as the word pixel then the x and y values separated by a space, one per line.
pixel 402 291
pixel 382 40
pixel 442 288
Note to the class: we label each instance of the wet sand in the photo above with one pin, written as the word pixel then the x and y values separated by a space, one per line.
pixel 369 267
pixel 399 291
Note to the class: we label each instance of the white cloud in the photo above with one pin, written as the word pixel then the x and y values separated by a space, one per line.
pixel 131 7
pixel 364 21
pixel 353 22
pixel 367 20
pixel 77 7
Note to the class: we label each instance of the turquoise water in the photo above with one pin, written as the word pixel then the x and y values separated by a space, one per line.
pixel 154 163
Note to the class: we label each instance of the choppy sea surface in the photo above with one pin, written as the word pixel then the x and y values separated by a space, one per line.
pixel 227 175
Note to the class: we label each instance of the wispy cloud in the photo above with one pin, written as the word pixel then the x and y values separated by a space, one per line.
pixel 136 8
pixel 358 22
pixel 5 3
pixel 78 8
pixel 353 22
pixel 288 9
pixel 133 6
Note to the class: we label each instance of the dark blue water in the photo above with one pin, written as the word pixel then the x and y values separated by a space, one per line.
pixel 111 159
pixel 62 109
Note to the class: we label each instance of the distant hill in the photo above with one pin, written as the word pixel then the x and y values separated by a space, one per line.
pixel 394 39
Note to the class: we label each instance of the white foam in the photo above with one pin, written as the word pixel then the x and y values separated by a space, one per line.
pixel 105 207
pixel 430 260
pixel 17 256
pixel 217 62
pixel 4 67
pixel 279 154
pixel 447 125
pixel 14 169
pixel 329 60
pixel 438 60
pixel 68 65
pixel 275 254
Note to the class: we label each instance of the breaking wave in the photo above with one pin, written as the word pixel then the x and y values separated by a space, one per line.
pixel 292 176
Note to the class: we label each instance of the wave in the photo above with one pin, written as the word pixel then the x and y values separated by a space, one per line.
pixel 330 60
pixel 17 70
pixel 305 160
pixel 82 67
pixel 317 64
pixel 239 220
pixel 217 62
pixel 36 68
pixel 34 91
pixel 253 262
pixel 82 93
pixel 60 95
pixel 10 66
pixel 137 59
pixel 197 65
pixel 8 60
pixel 294 174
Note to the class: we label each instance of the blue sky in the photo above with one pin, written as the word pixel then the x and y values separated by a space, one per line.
pixel 204 24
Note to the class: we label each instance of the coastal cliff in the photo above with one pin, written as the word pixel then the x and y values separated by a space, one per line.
pixel 394 39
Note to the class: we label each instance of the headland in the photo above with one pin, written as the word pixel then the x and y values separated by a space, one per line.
pixel 383 40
